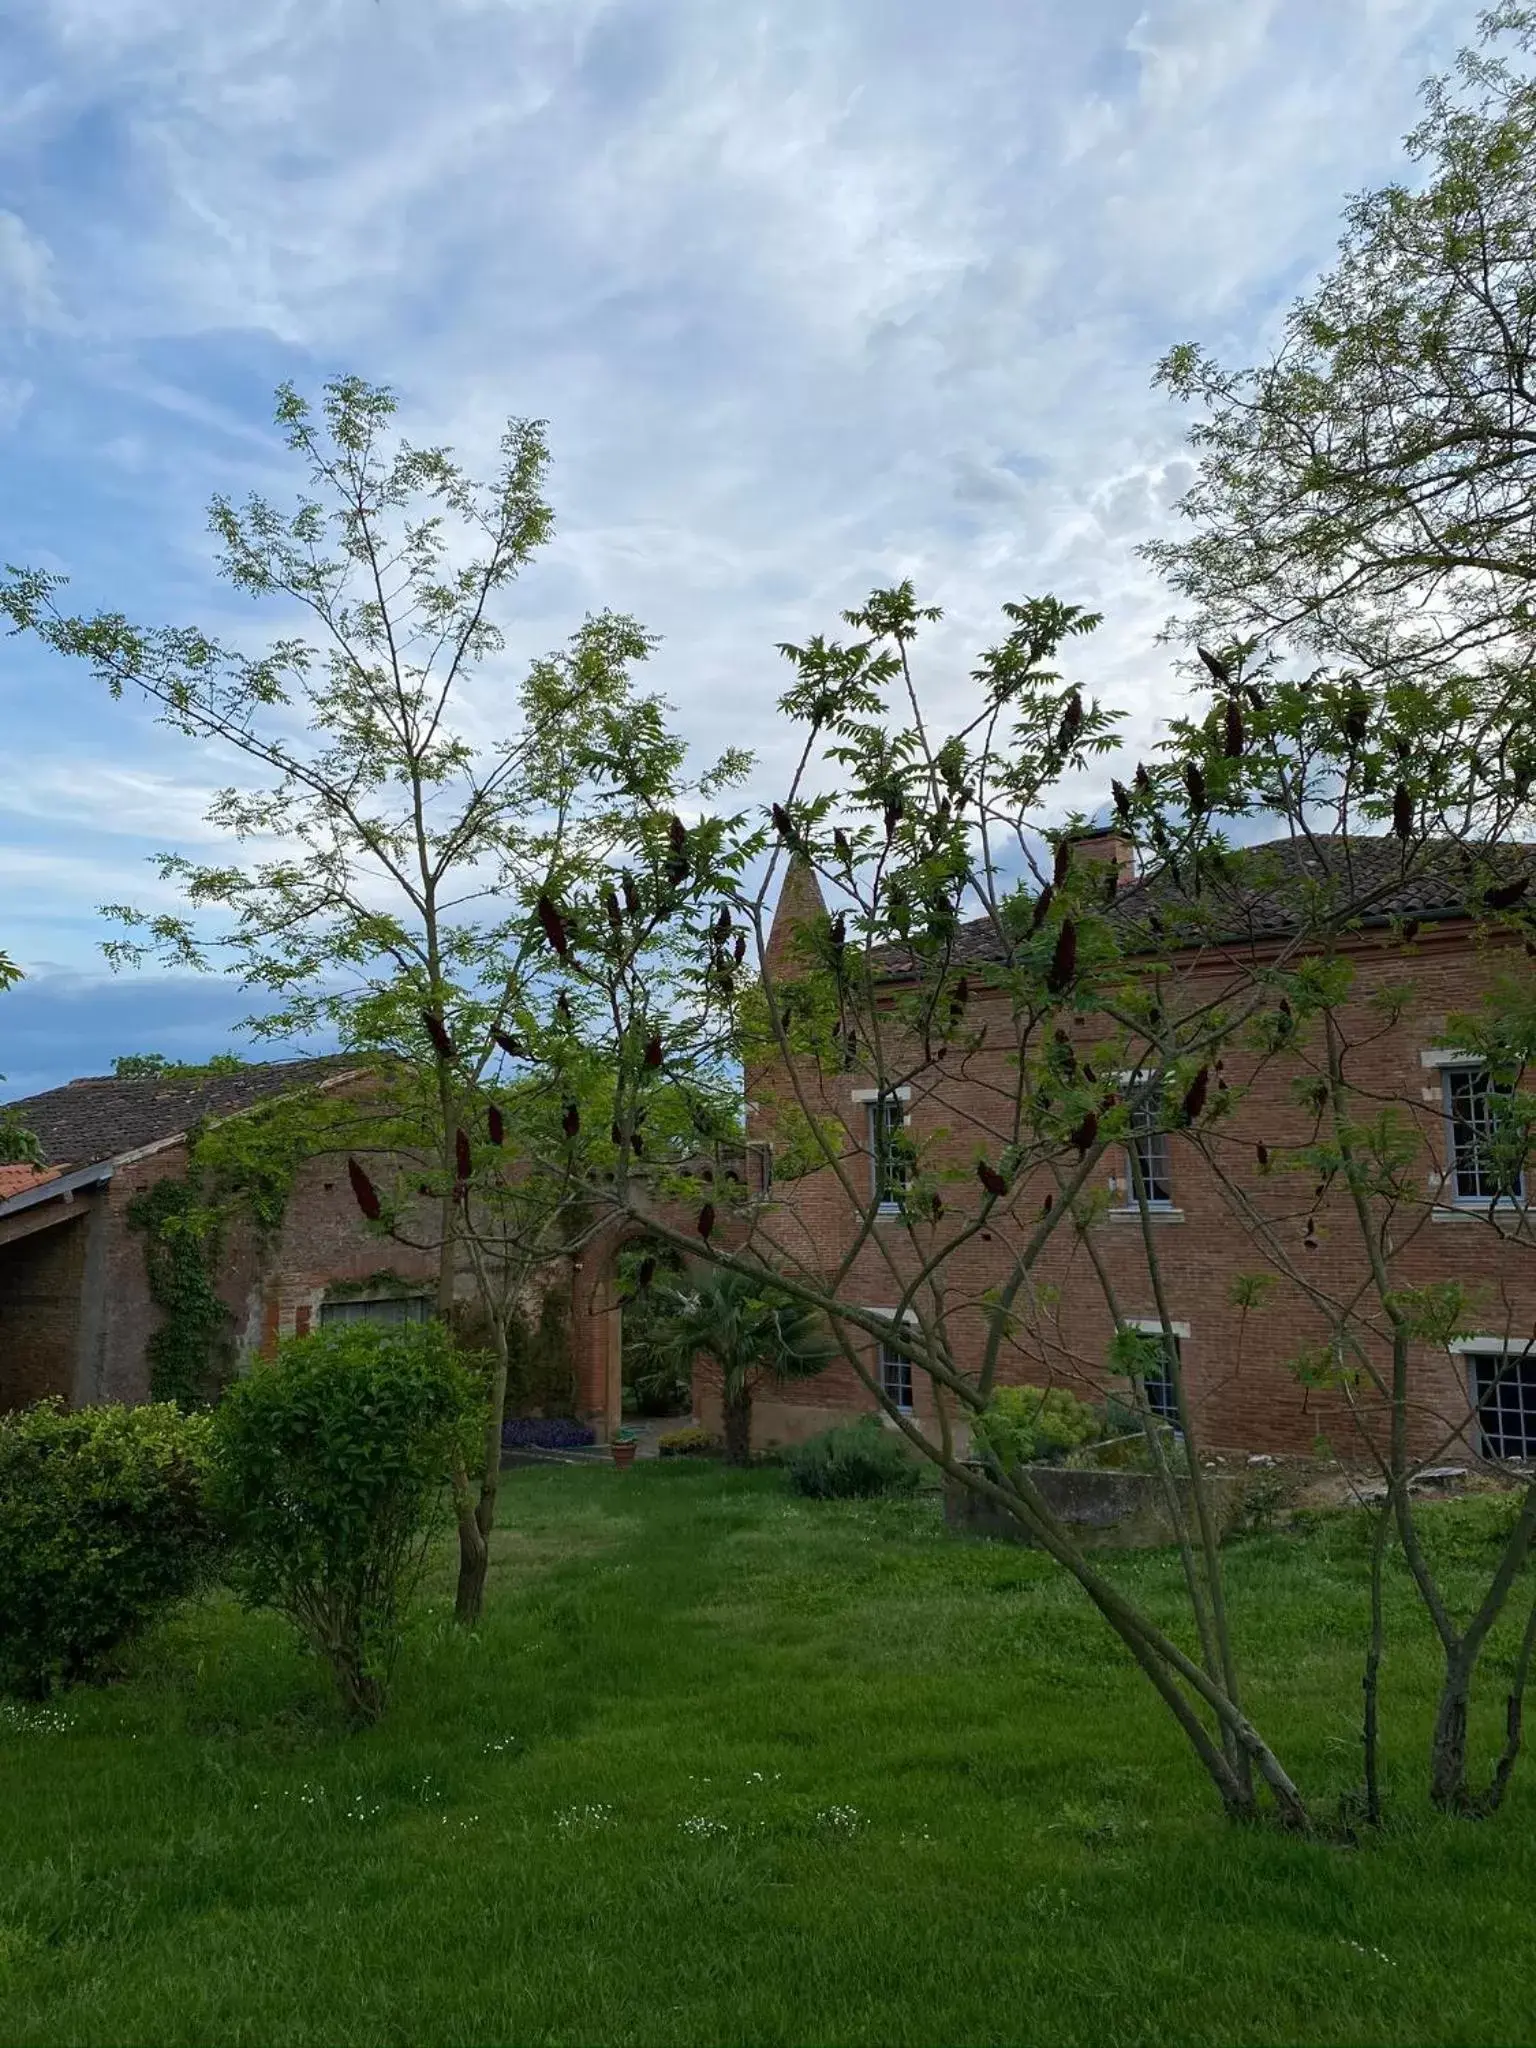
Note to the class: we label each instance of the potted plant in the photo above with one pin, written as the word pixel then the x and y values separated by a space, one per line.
pixel 623 1447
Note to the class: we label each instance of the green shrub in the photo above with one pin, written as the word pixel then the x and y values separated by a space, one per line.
pixel 855 1461
pixel 103 1525
pixel 329 1478
pixel 688 1443
pixel 1033 1426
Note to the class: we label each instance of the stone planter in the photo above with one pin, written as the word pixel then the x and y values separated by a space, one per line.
pixel 1101 1510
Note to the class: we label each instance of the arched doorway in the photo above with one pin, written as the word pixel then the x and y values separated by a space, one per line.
pixel 607 1367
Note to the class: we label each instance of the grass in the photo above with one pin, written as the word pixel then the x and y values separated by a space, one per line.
pixel 722 1766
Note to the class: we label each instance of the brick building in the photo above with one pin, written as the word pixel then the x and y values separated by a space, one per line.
pixel 75 1307
pixel 1239 1366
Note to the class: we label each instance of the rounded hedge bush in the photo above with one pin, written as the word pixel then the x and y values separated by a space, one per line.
pixel 104 1524
pixel 330 1473
pixel 691 1442
pixel 855 1461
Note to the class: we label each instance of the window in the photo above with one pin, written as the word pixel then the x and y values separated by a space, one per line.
pixel 1504 1394
pixel 888 1151
pixel 760 1165
pixel 1158 1385
pixel 1157 1381
pixel 1149 1152
pixel 895 1376
pixel 1485 1165
pixel 383 1308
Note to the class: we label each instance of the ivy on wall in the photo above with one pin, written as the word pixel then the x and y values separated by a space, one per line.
pixel 240 1168
pixel 191 1351
pixel 385 1281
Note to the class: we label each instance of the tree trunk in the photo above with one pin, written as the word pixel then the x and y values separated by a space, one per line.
pixel 474 1560
pixel 475 1527
pixel 738 1428
pixel 1448 1747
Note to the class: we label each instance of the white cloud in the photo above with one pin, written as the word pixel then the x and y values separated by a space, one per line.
pixel 15 394
pixel 813 296
pixel 27 295
pixel 93 791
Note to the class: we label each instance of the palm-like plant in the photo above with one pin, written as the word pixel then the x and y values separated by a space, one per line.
pixel 751 1331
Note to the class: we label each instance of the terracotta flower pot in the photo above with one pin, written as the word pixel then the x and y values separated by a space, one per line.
pixel 624 1452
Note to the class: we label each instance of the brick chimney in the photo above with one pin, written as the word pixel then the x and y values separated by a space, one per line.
pixel 1108 844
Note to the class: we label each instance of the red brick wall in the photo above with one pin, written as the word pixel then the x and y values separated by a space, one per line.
pixel 1244 1392
pixel 40 1278
pixel 324 1241
pixel 266 1284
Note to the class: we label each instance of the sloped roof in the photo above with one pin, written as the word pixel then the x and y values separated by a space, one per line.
pixel 15 1180
pixel 1257 892
pixel 102 1117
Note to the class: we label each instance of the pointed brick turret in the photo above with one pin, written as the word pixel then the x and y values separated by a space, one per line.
pixel 800 904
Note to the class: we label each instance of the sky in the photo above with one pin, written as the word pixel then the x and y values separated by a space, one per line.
pixel 812 296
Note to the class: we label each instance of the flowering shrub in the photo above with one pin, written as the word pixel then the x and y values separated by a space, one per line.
pixel 545 1433
pixel 688 1443
pixel 102 1527
pixel 1034 1425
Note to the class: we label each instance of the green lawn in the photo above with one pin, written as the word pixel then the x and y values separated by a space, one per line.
pixel 726 1767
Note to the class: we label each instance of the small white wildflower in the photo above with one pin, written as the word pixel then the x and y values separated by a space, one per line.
pixel 579 1820
pixel 700 1827
pixel 842 1820
pixel 16 1718
pixel 1361 1950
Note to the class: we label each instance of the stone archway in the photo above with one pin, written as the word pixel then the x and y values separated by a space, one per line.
pixel 597 1327
pixel 597 1319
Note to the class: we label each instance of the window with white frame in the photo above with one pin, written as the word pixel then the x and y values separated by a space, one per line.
pixel 895 1375
pixel 1484 1151
pixel 1149 1151
pixel 1502 1385
pixel 889 1153
pixel 382 1308
pixel 1167 1351
pixel 1158 1384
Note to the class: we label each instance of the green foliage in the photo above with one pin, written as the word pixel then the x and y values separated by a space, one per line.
pixel 329 1479
pixel 191 1349
pixel 240 1168
pixel 656 1380
pixel 18 1145
pixel 1364 495
pixel 103 1525
pixel 1436 1313
pixel 149 1066
pixel 385 1281
pixel 1249 1291
pixel 540 1376
pixel 866 1699
pixel 855 1461
pixel 692 1442
pixel 749 1328
pixel 1034 1425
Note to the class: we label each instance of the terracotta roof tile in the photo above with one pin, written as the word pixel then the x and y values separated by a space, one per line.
pixel 1256 896
pixel 102 1117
